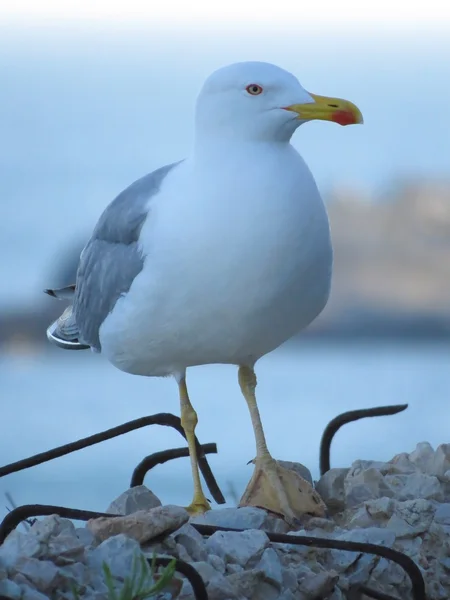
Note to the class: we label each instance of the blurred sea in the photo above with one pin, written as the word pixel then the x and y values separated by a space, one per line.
pixel 54 397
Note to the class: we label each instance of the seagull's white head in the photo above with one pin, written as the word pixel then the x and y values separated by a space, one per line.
pixel 259 101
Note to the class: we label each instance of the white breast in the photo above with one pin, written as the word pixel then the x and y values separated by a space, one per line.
pixel 238 259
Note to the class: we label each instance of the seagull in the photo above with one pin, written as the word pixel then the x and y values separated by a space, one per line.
pixel 216 259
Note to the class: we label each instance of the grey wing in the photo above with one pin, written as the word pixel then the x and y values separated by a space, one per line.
pixel 108 264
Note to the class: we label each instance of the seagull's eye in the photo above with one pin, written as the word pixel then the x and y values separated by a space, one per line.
pixel 254 89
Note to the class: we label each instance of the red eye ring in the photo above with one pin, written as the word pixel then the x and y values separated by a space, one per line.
pixel 254 89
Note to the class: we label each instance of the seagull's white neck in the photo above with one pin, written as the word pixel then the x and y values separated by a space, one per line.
pixel 214 147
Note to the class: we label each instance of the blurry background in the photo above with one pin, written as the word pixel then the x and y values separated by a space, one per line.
pixel 96 94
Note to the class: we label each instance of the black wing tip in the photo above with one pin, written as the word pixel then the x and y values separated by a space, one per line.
pixel 50 293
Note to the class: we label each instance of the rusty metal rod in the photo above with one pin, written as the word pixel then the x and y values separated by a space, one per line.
pixel 165 419
pixel 159 458
pixel 348 417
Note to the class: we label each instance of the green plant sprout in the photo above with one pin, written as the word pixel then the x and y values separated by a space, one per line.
pixel 141 584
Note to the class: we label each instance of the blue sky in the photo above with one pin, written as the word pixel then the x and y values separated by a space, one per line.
pixel 97 93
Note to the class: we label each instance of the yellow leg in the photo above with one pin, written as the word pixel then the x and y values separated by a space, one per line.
pixel 273 487
pixel 247 382
pixel 189 422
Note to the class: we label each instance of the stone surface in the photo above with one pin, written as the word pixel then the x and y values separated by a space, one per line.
pixel 442 514
pixel 423 457
pixel 365 484
pixel 380 508
pixel 415 485
pixel 29 593
pixel 298 468
pixel 117 552
pixel 246 517
pixel 403 503
pixel 441 462
pixel 270 566
pixel 134 500
pixel 194 547
pixel 245 582
pixel 220 588
pixel 43 574
pixel 16 545
pixel 320 585
pixel 238 547
pixel 10 589
pixel 331 488
pixel 142 526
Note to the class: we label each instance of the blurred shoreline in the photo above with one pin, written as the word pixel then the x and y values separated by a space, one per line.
pixel 391 276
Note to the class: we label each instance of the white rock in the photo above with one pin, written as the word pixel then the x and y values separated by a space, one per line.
pixel 9 589
pixel 51 526
pixel 238 547
pixel 359 466
pixel 270 565
pixel 246 582
pixel 442 514
pixel 321 523
pixel 331 488
pixel 410 546
pixel 246 517
pixel 85 536
pixel 441 463
pixel 142 525
pixel 416 485
pixel 298 468
pixel 361 518
pixel 17 545
pixel 205 570
pixel 41 573
pixel 220 588
pixel 380 508
pixel 195 548
pixel 371 535
pixel 31 594
pixel 336 595
pixel 186 592
pixel 266 591
pixel 133 500
pixel 290 581
pixel 399 465
pixel 76 573
pixel 117 552
pixel 365 485
pixel 361 565
pixel 217 563
pixel 65 548
pixel 181 552
pixel 320 585
pixel 411 518
pixel 232 568
pixel 423 457
pixel 288 595
pixel 188 529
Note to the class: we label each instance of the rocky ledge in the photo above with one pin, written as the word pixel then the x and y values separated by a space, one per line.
pixel 402 504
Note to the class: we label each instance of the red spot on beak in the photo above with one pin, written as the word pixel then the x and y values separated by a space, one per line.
pixel 344 117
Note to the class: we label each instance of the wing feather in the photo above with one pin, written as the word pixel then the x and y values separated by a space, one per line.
pixel 108 265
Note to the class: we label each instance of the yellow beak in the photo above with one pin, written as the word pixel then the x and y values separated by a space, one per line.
pixel 328 109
